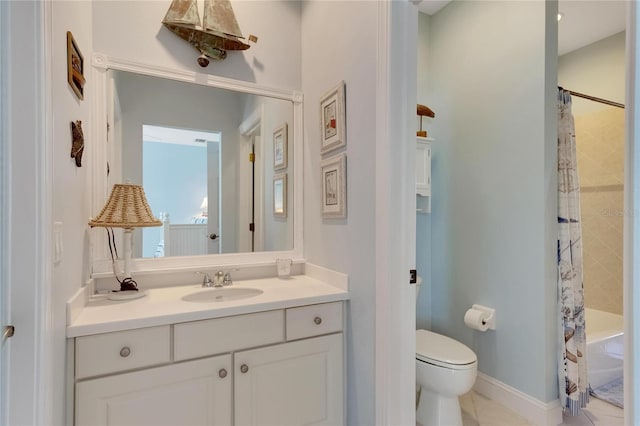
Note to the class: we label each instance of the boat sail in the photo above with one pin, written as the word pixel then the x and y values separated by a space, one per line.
pixel 214 35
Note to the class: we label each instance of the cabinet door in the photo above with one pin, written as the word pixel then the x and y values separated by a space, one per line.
pixel 189 393
pixel 297 383
pixel 423 167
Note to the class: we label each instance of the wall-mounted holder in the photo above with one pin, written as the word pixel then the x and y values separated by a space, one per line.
pixel 489 317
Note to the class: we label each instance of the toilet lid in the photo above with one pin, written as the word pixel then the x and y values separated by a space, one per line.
pixel 438 349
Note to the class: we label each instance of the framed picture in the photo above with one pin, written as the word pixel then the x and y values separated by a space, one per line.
pixel 75 67
pixel 332 119
pixel 334 187
pixel 280 148
pixel 280 195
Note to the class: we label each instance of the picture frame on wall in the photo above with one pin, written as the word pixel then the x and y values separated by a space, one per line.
pixel 75 67
pixel 280 152
pixel 332 119
pixel 280 195
pixel 334 187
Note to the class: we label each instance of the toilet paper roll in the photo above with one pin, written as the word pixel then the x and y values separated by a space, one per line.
pixel 476 320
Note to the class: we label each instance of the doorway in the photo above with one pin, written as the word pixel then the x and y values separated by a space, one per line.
pixel 594 73
pixel 181 178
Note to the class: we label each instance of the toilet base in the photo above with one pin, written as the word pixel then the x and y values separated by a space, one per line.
pixel 437 410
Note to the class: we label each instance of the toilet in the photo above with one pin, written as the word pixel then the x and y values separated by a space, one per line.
pixel 445 369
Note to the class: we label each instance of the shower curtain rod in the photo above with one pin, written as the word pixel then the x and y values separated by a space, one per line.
pixel 593 98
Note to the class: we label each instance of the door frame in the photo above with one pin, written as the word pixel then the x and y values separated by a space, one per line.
pixel 396 81
pixel 631 256
pixel 27 196
pixel 249 129
pixel 4 205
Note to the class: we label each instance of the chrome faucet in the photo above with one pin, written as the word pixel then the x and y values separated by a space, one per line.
pixel 220 279
pixel 206 280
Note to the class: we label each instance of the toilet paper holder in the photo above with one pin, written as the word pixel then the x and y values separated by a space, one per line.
pixel 490 315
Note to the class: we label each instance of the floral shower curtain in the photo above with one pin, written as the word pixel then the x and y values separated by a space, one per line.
pixel 572 362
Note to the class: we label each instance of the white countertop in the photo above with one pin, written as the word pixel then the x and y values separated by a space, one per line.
pixel 162 306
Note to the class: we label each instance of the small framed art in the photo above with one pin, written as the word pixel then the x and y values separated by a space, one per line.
pixel 280 195
pixel 280 148
pixel 75 67
pixel 334 187
pixel 332 119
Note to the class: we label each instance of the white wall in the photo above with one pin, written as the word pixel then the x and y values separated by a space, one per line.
pixel 597 70
pixel 70 183
pixel 492 225
pixel 133 30
pixel 345 50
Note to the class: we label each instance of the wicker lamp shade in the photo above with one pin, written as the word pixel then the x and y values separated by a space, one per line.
pixel 127 207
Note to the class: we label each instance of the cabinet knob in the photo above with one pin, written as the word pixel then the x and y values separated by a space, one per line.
pixel 222 373
pixel 125 352
pixel 317 320
pixel 244 368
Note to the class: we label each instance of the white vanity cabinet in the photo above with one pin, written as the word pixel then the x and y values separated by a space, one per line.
pixel 281 367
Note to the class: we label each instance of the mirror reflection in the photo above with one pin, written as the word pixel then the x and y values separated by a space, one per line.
pixel 207 161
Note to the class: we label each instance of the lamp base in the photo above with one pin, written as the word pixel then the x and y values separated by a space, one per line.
pixel 126 295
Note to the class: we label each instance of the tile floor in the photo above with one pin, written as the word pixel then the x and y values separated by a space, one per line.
pixel 480 411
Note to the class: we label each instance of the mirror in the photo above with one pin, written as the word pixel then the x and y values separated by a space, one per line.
pixel 191 145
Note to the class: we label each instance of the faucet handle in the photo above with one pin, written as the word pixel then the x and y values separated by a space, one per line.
pixel 206 280
pixel 227 279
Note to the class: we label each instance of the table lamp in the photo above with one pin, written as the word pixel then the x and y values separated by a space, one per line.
pixel 126 208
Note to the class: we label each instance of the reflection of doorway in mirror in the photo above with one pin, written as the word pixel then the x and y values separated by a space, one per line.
pixel 180 168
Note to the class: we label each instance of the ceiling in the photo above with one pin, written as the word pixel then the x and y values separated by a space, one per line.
pixel 583 22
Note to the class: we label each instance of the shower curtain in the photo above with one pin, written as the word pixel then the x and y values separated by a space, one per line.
pixel 572 362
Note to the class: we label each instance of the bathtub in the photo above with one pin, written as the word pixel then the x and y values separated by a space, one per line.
pixel 605 348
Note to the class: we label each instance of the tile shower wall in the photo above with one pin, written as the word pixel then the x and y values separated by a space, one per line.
pixel 600 151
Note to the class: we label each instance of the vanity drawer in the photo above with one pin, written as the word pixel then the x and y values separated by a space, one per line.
pixel 214 336
pixel 314 320
pixel 123 350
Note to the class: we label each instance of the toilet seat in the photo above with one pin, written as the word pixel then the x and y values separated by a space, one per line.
pixel 436 349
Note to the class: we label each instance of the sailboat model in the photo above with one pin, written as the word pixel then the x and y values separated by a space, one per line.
pixel 214 35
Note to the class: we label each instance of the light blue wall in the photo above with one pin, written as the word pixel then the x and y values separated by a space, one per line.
pixel 423 221
pixel 491 83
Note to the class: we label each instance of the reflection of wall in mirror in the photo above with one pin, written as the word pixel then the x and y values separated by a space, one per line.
pixel 278 232
pixel 147 100
pixel 143 101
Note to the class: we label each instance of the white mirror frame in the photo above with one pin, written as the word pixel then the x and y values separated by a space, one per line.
pixel 98 246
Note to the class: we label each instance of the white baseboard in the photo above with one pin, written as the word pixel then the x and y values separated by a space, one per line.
pixel 535 411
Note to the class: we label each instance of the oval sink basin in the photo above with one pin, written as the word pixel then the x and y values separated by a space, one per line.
pixel 222 295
